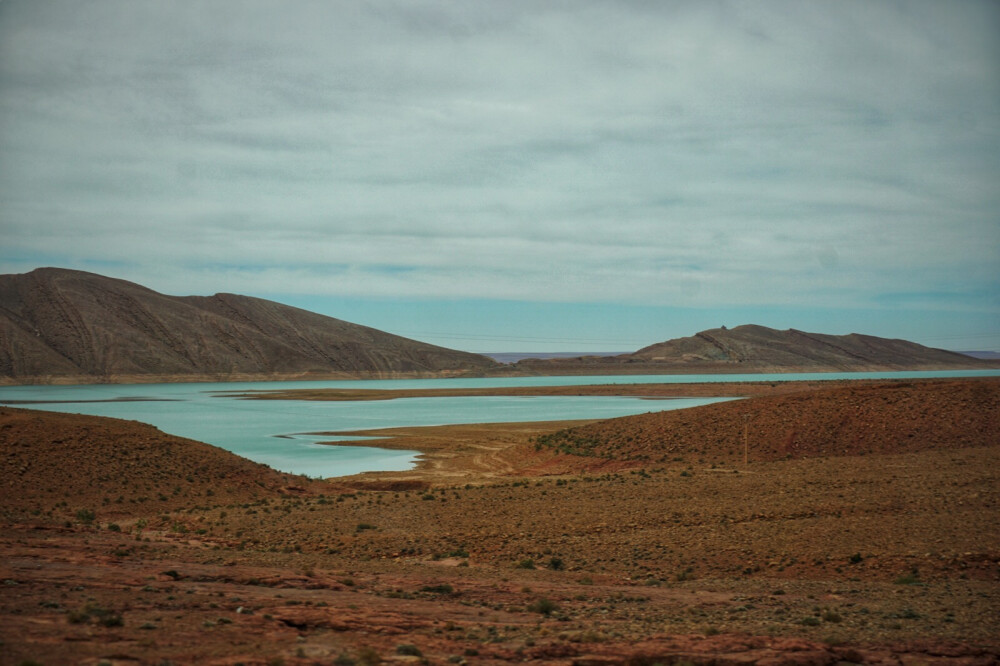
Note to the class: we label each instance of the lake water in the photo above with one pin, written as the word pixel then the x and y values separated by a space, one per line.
pixel 277 432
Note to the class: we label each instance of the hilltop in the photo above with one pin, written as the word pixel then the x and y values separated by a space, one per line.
pixel 60 325
pixel 753 349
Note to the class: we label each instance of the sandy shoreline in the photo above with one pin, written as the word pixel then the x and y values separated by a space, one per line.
pixel 471 453
pixel 649 391
pixel 540 368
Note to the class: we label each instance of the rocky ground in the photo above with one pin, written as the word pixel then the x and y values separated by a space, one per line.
pixel 504 549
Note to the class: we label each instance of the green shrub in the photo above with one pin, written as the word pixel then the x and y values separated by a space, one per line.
pixel 543 606
pixel 78 617
pixel 368 656
pixel 442 588
pixel 111 620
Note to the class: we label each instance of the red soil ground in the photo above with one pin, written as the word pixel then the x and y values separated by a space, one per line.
pixel 865 530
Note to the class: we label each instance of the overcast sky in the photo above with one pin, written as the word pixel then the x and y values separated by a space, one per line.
pixel 519 175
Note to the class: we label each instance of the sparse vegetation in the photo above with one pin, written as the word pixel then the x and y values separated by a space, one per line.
pixel 648 555
pixel 543 606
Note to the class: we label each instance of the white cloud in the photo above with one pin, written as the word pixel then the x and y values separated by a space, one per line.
pixel 670 153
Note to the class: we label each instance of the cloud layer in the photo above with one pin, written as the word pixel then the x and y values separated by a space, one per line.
pixel 676 153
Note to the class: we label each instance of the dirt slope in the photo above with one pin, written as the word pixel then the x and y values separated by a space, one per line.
pixel 56 322
pixel 896 417
pixel 62 463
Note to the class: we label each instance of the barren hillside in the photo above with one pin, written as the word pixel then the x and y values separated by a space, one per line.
pixel 890 418
pixel 53 462
pixel 750 348
pixel 75 325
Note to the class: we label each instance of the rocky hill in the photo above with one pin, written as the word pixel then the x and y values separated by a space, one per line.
pixel 64 325
pixel 753 348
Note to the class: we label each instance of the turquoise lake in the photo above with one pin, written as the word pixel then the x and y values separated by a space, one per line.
pixel 278 433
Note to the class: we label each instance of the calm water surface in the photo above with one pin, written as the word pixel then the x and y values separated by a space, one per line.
pixel 278 432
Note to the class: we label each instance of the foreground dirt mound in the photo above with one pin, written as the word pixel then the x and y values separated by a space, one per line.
pixel 60 464
pixel 896 417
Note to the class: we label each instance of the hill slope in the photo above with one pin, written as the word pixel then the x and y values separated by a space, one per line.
pixel 753 348
pixel 898 417
pixel 120 468
pixel 56 322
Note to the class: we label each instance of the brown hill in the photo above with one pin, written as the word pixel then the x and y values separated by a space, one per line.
pixel 752 348
pixel 61 463
pixel 72 324
pixel 898 417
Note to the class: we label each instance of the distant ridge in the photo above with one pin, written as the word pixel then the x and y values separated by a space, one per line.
pixel 59 325
pixel 752 348
pixel 514 357
pixel 991 355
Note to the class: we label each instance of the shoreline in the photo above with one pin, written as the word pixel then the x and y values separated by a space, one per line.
pixel 512 370
pixel 659 391
pixel 471 453
pixel 646 391
pixel 482 452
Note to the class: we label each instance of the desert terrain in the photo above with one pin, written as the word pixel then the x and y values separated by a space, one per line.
pixel 828 524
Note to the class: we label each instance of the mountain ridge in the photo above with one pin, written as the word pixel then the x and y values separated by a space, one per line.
pixel 59 323
pixel 66 326
pixel 755 348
